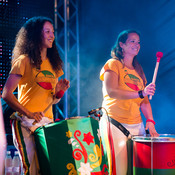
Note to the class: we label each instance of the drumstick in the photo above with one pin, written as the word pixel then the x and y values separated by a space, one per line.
pixel 159 55
pixel 59 95
pixel 53 102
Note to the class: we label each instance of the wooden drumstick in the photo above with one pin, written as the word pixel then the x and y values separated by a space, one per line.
pixel 159 55
pixel 53 102
pixel 59 95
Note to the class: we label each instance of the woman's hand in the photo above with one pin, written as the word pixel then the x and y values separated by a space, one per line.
pixel 149 90
pixel 152 130
pixel 62 85
pixel 36 115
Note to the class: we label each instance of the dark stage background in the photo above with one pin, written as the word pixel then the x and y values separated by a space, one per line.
pixel 100 22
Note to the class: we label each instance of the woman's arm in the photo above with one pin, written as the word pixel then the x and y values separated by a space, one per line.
pixel 147 112
pixel 9 97
pixel 111 85
pixel 11 100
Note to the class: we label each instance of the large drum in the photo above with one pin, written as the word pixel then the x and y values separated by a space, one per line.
pixel 71 146
pixel 154 156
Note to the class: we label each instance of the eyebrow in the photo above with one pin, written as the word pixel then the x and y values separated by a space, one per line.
pixel 134 39
pixel 47 28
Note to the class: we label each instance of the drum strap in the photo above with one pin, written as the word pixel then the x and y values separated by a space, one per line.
pixel 119 126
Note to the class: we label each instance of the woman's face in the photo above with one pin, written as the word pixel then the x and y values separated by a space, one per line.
pixel 48 35
pixel 132 45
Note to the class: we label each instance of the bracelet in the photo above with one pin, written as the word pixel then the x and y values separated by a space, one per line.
pixel 149 120
pixel 140 94
pixel 59 94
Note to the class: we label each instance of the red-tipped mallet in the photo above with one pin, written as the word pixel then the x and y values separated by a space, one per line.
pixel 159 55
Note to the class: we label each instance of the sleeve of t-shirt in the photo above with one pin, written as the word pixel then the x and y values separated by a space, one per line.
pixel 60 73
pixel 112 65
pixel 18 66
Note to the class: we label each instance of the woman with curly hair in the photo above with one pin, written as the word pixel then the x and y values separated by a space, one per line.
pixel 124 94
pixel 36 67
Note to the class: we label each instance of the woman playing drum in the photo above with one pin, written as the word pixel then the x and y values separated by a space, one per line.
pixel 36 67
pixel 125 93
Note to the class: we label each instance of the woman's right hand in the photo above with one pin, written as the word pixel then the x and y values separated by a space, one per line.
pixel 149 90
pixel 36 115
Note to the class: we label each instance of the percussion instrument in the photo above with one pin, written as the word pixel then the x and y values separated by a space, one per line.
pixel 71 146
pixel 154 155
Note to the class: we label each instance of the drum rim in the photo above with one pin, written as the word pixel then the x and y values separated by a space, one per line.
pixel 76 117
pixel 161 138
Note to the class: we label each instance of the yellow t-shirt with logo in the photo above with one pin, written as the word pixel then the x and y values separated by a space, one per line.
pixel 36 87
pixel 128 110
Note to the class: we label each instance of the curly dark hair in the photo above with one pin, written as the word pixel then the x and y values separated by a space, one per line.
pixel 29 42
pixel 117 52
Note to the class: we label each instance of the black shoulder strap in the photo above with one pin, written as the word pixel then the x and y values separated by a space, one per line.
pixel 119 126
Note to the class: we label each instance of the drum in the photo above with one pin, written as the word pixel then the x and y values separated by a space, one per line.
pixel 71 146
pixel 154 155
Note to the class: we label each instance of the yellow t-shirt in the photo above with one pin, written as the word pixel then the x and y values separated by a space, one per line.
pixel 124 111
pixel 36 87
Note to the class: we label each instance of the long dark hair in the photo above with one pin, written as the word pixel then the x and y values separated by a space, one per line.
pixel 117 52
pixel 29 42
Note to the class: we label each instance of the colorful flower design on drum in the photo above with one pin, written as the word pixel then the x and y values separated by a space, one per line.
pixel 87 150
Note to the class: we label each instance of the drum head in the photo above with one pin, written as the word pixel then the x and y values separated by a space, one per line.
pixel 161 138
pixel 77 117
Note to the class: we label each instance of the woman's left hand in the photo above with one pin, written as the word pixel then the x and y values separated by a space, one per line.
pixel 62 84
pixel 152 130
pixel 149 89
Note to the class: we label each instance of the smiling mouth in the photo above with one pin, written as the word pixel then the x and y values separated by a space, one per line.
pixel 136 50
